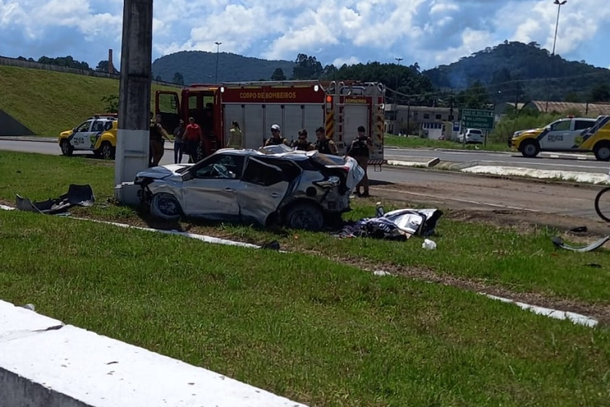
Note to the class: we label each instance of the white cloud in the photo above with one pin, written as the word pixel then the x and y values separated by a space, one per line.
pixel 335 31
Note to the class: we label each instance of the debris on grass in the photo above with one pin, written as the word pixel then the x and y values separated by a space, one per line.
pixel 77 195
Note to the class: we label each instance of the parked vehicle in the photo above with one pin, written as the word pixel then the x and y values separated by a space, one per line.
pixel 338 106
pixel 299 189
pixel 96 134
pixel 472 136
pixel 571 134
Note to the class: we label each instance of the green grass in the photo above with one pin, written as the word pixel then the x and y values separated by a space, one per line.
pixel 48 102
pixel 301 326
pixel 418 142
pixel 500 256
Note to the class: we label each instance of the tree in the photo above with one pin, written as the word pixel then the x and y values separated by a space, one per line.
pixel 67 62
pixel 601 93
pixel 158 78
pixel 111 103
pixel 572 97
pixel 102 66
pixel 307 67
pixel 278 75
pixel 178 79
pixel 475 97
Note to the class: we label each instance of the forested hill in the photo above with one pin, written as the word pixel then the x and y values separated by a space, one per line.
pixel 200 67
pixel 526 67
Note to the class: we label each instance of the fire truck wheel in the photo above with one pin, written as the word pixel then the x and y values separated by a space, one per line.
pixel 66 148
pixel 530 149
pixel 304 215
pixel 107 151
pixel 602 151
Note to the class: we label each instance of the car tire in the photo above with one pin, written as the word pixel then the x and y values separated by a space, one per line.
pixel 304 216
pixel 107 152
pixel 165 206
pixel 602 151
pixel 529 149
pixel 66 148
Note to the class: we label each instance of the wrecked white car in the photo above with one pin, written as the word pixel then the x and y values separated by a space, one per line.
pixel 301 190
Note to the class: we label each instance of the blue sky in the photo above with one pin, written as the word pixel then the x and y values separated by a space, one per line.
pixel 430 32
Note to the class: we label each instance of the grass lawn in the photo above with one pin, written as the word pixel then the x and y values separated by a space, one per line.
pixel 48 102
pixel 478 253
pixel 417 142
pixel 299 325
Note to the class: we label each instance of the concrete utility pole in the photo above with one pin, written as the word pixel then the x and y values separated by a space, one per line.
pixel 132 153
pixel 558 3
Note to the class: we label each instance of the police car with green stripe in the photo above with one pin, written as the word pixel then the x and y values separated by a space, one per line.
pixel 571 134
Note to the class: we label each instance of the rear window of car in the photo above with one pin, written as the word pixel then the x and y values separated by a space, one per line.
pixel 474 131
pixel 583 124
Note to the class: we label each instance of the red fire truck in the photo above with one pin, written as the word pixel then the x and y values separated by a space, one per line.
pixel 339 107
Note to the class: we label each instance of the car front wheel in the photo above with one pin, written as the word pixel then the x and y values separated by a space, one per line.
pixel 107 151
pixel 304 216
pixel 66 148
pixel 165 206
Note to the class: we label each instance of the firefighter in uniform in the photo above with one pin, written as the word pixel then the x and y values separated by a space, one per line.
pixel 325 145
pixel 301 143
pixel 360 150
pixel 276 137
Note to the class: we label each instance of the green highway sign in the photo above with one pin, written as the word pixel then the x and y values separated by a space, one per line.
pixel 478 119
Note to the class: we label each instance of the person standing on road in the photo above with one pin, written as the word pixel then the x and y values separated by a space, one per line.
pixel 301 143
pixel 360 150
pixel 178 142
pixel 192 138
pixel 276 137
pixel 235 136
pixel 157 141
pixel 325 145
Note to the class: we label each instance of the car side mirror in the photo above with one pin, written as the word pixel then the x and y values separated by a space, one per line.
pixel 187 176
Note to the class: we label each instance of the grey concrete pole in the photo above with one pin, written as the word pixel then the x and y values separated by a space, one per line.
pixel 134 98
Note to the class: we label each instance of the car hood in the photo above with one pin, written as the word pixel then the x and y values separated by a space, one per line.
pixel 162 171
pixel 65 133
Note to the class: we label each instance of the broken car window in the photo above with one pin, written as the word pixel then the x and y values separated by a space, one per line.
pixel 221 166
pixel 263 174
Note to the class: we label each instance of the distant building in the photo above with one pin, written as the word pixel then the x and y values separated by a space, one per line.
pixel 403 119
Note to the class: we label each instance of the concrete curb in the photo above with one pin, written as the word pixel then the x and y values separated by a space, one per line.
pixel 422 164
pixel 169 145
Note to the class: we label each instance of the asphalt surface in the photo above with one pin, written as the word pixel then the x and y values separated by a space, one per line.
pixel 450 189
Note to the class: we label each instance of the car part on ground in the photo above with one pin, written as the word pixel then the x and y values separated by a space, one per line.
pixel 557 241
pixel 298 189
pixel 77 195
pixel 400 224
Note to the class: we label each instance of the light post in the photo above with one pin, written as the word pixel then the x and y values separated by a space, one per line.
pixel 217 55
pixel 396 94
pixel 558 3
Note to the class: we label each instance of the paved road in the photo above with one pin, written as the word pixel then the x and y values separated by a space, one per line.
pixel 500 159
pixel 449 189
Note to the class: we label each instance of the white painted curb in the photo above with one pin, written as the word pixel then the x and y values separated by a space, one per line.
pixel 44 363
pixel 425 163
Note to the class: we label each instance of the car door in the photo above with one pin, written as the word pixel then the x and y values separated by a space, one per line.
pixel 212 191
pixel 264 186
pixel 81 136
pixel 97 128
pixel 581 127
pixel 558 136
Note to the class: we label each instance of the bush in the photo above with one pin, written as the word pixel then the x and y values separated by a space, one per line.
pixel 526 120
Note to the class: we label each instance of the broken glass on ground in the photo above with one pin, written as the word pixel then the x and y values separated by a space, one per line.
pixel 399 224
pixel 77 195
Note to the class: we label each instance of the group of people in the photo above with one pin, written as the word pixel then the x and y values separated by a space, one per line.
pixel 187 140
pixel 360 149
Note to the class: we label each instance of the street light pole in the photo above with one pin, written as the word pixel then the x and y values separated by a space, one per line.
pixel 217 55
pixel 396 95
pixel 558 3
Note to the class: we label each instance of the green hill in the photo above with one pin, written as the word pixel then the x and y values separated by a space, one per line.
pixel 516 70
pixel 200 67
pixel 48 102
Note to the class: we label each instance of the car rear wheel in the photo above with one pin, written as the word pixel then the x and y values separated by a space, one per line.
pixel 66 148
pixel 602 151
pixel 107 152
pixel 530 149
pixel 304 216
pixel 165 206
